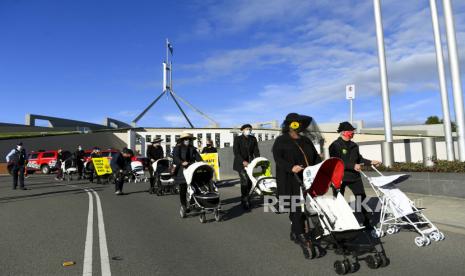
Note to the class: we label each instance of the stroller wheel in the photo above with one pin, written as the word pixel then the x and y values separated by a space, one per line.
pixel 419 241
pixel 436 236
pixel 182 212
pixel 217 215
pixel 372 262
pixel 203 217
pixel 383 260
pixel 353 267
pixel 391 230
pixel 340 268
pixel 442 236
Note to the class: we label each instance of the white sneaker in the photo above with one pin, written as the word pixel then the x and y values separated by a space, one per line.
pixel 118 192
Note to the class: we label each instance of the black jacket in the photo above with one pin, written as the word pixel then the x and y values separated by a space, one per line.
pixel 119 162
pixel 18 158
pixel 79 155
pixel 183 154
pixel 349 153
pixel 287 154
pixel 209 150
pixel 155 153
pixel 245 149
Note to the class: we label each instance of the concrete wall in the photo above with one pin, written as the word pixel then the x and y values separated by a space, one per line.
pixel 103 140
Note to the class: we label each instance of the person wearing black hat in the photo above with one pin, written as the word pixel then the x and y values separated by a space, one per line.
pixel 347 150
pixel 184 154
pixel 245 149
pixel 292 152
pixel 17 161
pixel 154 153
pixel 79 156
pixel 121 166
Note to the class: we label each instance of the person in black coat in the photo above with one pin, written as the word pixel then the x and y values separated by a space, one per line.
pixel 344 148
pixel 79 154
pixel 293 152
pixel 154 153
pixel 184 154
pixel 121 166
pixel 245 149
pixel 62 156
pixel 209 148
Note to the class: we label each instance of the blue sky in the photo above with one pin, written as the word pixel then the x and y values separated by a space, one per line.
pixel 239 61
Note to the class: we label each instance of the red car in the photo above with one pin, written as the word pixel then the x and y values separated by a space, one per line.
pixel 43 161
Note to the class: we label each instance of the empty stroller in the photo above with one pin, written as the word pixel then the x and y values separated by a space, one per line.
pixel 69 168
pixel 163 177
pixel 397 210
pixel 259 173
pixel 138 172
pixel 337 224
pixel 202 192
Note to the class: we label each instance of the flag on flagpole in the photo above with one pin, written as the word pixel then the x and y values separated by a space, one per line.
pixel 170 47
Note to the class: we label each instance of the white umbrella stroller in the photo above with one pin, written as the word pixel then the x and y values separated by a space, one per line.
pixel 163 176
pixel 397 210
pixel 202 193
pixel 138 172
pixel 340 227
pixel 259 173
pixel 69 168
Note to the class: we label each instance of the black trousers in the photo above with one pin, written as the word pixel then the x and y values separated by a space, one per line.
pixel 297 218
pixel 119 182
pixel 59 170
pixel 18 174
pixel 246 184
pixel 80 167
pixel 152 176
pixel 183 194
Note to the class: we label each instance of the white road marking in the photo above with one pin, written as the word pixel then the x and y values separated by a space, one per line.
pixel 87 268
pixel 104 259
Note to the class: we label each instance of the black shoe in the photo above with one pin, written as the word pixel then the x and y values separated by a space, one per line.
pixel 24 188
pixel 14 188
pixel 307 246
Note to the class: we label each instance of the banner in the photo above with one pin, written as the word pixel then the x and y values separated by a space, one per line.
pixel 102 166
pixel 212 160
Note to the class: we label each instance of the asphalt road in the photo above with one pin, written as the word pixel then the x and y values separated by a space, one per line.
pixel 43 227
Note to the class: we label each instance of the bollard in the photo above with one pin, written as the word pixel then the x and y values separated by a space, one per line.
pixel 428 146
pixel 387 151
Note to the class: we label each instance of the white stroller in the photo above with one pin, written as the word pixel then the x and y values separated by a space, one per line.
pixel 202 192
pixel 69 168
pixel 340 227
pixel 164 177
pixel 397 210
pixel 259 173
pixel 138 172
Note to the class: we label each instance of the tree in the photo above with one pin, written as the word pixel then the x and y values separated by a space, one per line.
pixel 433 120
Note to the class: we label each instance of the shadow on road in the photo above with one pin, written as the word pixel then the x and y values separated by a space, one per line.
pixel 29 196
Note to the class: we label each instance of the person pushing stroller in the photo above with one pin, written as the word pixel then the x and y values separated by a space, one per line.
pixel 184 154
pixel 154 153
pixel 121 166
pixel 293 152
pixel 347 150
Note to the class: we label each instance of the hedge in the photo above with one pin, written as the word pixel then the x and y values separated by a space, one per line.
pixel 439 166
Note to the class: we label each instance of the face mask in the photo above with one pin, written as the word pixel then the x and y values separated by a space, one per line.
pixel 19 147
pixel 186 143
pixel 348 134
pixel 79 148
pixel 156 145
pixel 247 132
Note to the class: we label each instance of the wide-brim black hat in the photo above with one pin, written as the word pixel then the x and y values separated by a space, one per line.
pixel 345 126
pixel 158 140
pixel 246 126
pixel 298 121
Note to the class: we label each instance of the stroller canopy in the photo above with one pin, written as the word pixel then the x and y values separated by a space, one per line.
pixel 259 162
pixel 384 180
pixel 318 178
pixel 199 170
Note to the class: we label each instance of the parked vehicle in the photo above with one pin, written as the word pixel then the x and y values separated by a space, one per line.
pixel 43 161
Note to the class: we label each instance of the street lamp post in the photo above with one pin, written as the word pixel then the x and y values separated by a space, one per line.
pixel 442 83
pixel 388 152
pixel 455 75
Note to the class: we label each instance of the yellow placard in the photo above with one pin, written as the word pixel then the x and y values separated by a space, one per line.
pixel 212 160
pixel 102 166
